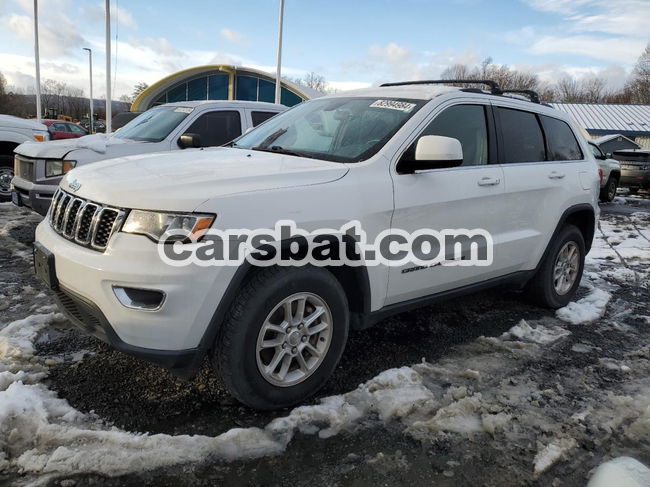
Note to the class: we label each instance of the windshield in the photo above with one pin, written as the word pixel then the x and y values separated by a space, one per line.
pixel 334 129
pixel 154 124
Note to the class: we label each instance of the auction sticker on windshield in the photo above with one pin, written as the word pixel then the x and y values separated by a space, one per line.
pixel 402 106
pixel 184 110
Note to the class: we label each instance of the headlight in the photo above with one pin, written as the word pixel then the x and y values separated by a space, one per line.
pixel 154 224
pixel 57 167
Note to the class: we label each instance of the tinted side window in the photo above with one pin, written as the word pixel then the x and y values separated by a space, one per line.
pixel 60 127
pixel 259 117
pixel 75 129
pixel 522 136
pixel 467 124
pixel 216 128
pixel 562 144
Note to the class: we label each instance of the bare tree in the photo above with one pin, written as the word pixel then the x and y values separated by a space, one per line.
pixel 314 81
pixel 506 77
pixel 137 89
pixel 638 87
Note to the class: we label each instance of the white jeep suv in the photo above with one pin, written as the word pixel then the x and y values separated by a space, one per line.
pixel 401 156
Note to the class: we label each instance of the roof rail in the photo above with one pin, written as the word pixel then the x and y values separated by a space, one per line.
pixel 534 97
pixel 494 86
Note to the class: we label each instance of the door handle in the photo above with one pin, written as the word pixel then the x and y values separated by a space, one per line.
pixel 488 181
pixel 556 175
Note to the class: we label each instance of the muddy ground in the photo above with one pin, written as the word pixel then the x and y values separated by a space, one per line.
pixel 569 392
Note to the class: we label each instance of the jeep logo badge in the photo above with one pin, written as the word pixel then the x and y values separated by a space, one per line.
pixel 74 185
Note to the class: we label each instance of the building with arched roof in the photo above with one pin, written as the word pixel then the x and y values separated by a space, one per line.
pixel 220 82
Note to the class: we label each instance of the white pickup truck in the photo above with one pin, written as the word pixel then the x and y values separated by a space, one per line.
pixel 39 168
pixel 13 132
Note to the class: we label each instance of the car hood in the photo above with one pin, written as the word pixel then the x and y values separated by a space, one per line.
pixel 182 180
pixel 97 145
pixel 9 121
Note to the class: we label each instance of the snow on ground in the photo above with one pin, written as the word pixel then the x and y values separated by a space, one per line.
pixel 484 387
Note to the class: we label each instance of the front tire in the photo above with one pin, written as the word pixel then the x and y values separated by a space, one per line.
pixel 6 175
pixel 283 336
pixel 558 277
pixel 608 193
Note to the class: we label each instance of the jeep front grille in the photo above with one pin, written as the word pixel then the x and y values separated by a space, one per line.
pixel 84 222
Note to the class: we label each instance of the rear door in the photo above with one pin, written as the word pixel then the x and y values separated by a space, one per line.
pixel 541 161
pixel 261 116
pixel 469 196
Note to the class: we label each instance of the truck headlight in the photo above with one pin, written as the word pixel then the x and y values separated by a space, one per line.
pixel 57 167
pixel 154 224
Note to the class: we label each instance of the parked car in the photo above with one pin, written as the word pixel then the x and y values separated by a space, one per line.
pixel 609 172
pixel 406 156
pixel 166 127
pixel 60 129
pixel 15 131
pixel 635 169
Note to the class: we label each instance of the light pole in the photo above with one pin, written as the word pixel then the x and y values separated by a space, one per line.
pixel 90 65
pixel 278 86
pixel 109 103
pixel 37 60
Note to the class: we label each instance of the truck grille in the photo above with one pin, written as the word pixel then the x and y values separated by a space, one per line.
pixel 24 167
pixel 84 222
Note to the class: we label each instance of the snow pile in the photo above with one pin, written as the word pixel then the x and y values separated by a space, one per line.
pixel 541 334
pixel 587 309
pixel 621 472
pixel 552 453
pixel 97 142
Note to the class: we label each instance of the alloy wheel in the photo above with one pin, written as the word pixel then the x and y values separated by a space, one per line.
pixel 566 268
pixel 294 339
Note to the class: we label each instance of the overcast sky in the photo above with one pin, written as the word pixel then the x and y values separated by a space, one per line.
pixel 352 43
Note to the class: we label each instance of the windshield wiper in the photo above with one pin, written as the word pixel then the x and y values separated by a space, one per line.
pixel 281 150
pixel 271 138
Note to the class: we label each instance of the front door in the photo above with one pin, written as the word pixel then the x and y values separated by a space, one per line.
pixel 469 196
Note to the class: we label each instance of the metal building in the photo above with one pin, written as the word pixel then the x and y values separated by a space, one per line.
pixel 632 121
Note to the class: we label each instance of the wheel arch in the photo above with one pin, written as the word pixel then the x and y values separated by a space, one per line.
pixel 7 147
pixel 353 279
pixel 582 216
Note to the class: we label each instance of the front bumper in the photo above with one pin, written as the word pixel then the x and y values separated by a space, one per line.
pixel 38 197
pixel 632 178
pixel 86 316
pixel 87 276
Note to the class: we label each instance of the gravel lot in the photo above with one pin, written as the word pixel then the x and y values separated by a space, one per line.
pixel 479 396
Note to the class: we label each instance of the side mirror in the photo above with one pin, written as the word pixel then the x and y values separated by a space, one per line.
pixel 608 155
pixel 433 152
pixel 187 141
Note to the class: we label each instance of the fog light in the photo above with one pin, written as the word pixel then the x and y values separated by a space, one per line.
pixel 142 299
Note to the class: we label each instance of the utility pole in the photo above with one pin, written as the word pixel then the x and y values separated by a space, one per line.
pixel 90 64
pixel 37 60
pixel 278 85
pixel 109 103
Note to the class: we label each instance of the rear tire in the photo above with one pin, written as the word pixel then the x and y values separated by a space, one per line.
pixel 6 175
pixel 264 327
pixel 558 277
pixel 608 192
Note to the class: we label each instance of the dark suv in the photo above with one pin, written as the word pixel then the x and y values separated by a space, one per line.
pixel 635 169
